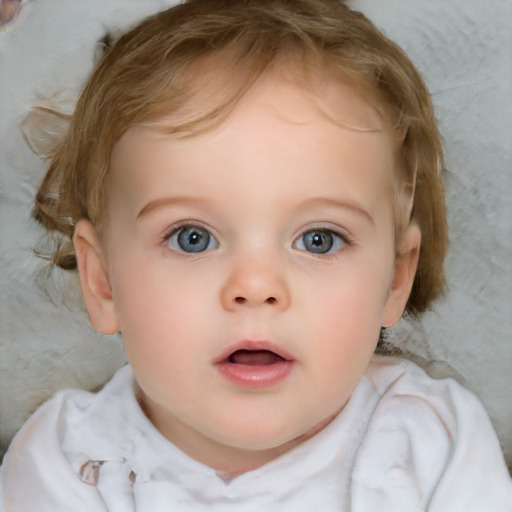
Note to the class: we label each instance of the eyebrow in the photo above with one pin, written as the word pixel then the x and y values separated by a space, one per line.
pixel 352 206
pixel 345 204
pixel 163 202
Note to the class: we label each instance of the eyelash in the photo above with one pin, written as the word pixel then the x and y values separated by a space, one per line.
pixel 342 238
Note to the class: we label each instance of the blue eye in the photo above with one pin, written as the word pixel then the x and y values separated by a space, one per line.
pixel 320 241
pixel 192 239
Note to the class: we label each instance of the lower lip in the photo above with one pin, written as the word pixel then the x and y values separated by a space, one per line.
pixel 255 377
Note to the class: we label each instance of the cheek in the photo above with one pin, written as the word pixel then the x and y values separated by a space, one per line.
pixel 157 326
pixel 342 333
pixel 158 305
pixel 349 328
pixel 346 318
pixel 353 298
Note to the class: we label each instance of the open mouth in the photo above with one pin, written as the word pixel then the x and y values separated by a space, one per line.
pixel 255 357
pixel 255 365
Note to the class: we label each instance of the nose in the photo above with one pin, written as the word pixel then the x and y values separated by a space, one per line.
pixel 255 281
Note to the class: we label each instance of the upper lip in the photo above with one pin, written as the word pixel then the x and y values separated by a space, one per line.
pixel 252 345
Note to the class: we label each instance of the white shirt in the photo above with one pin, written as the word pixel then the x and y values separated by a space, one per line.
pixel 404 442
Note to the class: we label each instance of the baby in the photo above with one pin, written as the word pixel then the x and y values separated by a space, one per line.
pixel 251 191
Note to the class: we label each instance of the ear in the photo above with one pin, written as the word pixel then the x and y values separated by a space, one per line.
pixel 94 280
pixel 406 263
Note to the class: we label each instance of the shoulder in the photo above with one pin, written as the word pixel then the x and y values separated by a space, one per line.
pixel 401 381
pixel 432 439
pixel 39 456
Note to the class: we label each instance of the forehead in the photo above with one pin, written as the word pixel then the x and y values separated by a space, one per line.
pixel 320 132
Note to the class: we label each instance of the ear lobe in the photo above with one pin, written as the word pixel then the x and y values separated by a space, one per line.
pixel 94 281
pixel 406 263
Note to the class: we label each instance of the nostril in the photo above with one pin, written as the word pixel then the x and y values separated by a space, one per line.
pixel 243 300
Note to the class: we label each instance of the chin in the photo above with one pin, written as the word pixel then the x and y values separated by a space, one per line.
pixel 259 436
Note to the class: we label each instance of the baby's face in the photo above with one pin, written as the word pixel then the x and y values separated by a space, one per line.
pixel 252 268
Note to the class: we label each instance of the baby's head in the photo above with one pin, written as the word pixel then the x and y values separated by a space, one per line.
pixel 192 64
pixel 247 185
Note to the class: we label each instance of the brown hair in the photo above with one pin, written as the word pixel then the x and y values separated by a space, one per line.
pixel 151 73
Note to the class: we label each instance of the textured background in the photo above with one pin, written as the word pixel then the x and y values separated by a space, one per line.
pixel 464 50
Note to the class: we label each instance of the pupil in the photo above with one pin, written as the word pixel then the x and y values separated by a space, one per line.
pixel 318 241
pixel 193 239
